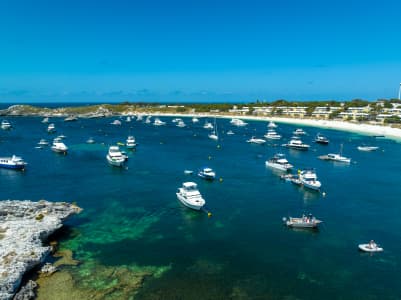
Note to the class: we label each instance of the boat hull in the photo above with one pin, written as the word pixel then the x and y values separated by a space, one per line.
pixel 278 166
pixel 311 186
pixel 187 204
pixel 115 163
pixel 12 166
pixel 367 248
pixel 298 148
pixel 59 150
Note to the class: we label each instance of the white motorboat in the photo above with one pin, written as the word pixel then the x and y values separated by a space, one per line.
pixel 308 179
pixel 139 117
pixel 128 119
pixel 45 120
pixel 367 148
pixel 5 125
pixel 207 173
pixel 370 247
pixel 176 120
pixel 279 162
pixel 271 125
pixel 299 131
pixel 230 132
pixel 254 140
pixel 61 136
pixel 70 119
pixel 14 162
pixel 130 142
pixel 43 142
pixel 303 222
pixel 116 123
pixel 296 143
pixel 195 120
pixel 189 195
pixel 51 128
pixel 181 124
pixel 59 147
pixel 158 122
pixel 148 121
pixel 208 125
pixel 336 157
pixel 321 139
pixel 188 172
pixel 238 122
pixel 90 141
pixel 272 135
pixel 115 157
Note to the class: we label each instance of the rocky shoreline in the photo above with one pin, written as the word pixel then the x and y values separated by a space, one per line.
pixel 24 225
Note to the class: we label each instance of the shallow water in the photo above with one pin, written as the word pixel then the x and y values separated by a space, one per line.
pixel 134 224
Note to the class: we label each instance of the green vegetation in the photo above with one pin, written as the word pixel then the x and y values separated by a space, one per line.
pixel 279 107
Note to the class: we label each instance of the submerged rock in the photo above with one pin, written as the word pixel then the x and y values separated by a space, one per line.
pixel 24 226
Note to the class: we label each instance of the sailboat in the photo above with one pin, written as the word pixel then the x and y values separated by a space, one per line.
pixel 213 135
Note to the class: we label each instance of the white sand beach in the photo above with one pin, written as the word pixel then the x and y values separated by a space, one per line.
pixel 366 129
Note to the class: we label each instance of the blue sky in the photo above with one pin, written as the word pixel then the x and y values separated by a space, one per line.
pixel 104 51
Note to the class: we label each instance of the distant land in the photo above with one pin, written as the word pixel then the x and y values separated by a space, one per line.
pixel 382 111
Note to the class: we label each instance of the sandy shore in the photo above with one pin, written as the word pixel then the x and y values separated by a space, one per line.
pixel 366 129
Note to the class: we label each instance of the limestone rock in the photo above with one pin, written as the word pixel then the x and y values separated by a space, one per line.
pixel 22 236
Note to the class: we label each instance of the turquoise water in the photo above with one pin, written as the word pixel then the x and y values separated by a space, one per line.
pixel 132 218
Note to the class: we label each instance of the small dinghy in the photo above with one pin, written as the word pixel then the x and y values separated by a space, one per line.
pixel 188 172
pixel 370 247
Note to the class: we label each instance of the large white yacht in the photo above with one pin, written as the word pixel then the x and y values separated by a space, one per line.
pixel 59 147
pixel 189 195
pixel 279 162
pixel 115 157
pixel 272 135
pixel 296 143
pixel 195 120
pixel 14 162
pixel 308 178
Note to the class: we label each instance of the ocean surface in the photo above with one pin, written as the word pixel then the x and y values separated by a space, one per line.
pixel 135 240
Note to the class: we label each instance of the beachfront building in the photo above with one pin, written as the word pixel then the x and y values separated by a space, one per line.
pixel 291 111
pixel 262 110
pixel 356 113
pixel 323 112
pixel 241 111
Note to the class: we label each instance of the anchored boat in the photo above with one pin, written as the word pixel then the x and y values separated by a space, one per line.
pixel 308 221
pixel 189 195
pixel 14 162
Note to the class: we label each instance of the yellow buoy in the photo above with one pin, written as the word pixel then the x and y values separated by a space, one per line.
pixel 209 214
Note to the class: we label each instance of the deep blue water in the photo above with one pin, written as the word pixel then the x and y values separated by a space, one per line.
pixel 132 216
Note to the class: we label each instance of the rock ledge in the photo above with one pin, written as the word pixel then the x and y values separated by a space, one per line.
pixel 24 225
